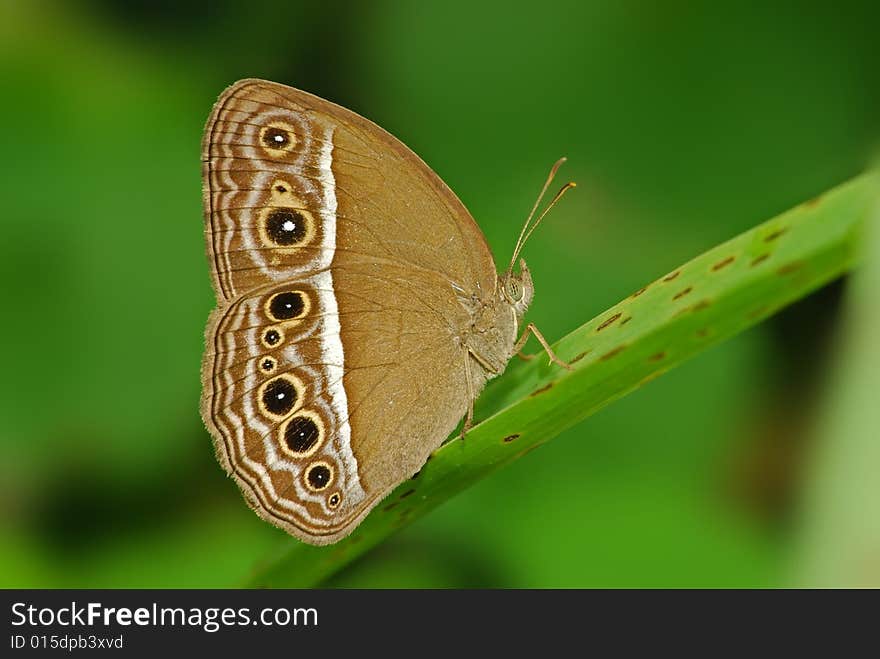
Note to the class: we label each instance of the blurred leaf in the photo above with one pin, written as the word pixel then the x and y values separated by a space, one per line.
pixel 839 543
pixel 710 298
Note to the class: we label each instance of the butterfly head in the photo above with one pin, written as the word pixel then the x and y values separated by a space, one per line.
pixel 517 289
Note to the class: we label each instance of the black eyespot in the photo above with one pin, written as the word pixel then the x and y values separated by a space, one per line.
pixel 279 396
pixel 333 500
pixel 280 188
pixel 285 306
pixel 272 337
pixel 286 226
pixel 276 138
pixel 319 476
pixel 268 364
pixel 301 434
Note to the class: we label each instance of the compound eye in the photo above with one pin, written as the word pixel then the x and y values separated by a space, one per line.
pixel 514 290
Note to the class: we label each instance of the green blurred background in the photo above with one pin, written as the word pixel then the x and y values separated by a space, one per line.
pixel 684 124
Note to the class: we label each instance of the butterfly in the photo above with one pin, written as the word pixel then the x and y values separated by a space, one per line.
pixel 359 309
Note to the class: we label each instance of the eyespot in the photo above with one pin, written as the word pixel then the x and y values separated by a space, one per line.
pixel 302 434
pixel 277 138
pixel 282 192
pixel 285 220
pixel 319 475
pixel 287 226
pixel 334 500
pixel 272 337
pixel 279 396
pixel 268 364
pixel 288 305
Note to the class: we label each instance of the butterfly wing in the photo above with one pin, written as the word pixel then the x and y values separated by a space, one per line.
pixel 342 266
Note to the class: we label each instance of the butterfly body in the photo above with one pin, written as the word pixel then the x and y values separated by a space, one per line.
pixel 359 308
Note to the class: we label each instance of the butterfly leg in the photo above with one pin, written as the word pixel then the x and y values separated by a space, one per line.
pixel 469 419
pixel 530 328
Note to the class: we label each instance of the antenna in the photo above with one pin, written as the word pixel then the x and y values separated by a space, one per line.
pixel 527 230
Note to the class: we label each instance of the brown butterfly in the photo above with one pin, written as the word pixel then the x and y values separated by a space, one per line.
pixel 359 308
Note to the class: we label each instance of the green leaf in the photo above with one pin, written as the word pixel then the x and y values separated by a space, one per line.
pixel 714 296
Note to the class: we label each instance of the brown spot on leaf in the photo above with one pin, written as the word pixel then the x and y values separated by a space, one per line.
pixel 759 259
pixel 702 304
pixel 608 322
pixel 703 332
pixel 407 493
pixel 672 275
pixel 724 263
pixel 770 237
pixel 639 292
pixel 788 268
pixel 657 356
pixel 546 387
pixel 510 438
pixel 389 507
pixel 681 294
pixel 626 320
pixel 612 353
pixel 581 355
